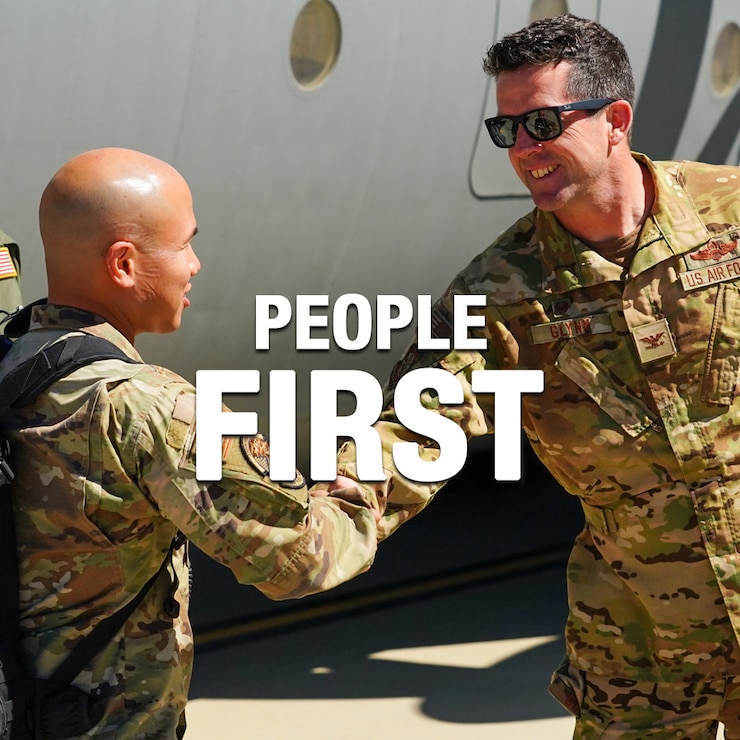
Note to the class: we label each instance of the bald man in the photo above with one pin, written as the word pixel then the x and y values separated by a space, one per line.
pixel 105 458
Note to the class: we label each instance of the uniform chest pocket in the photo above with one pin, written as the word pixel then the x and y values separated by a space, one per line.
pixel 723 350
pixel 596 380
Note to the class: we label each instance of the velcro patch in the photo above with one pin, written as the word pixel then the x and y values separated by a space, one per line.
pixel 181 431
pixel 184 408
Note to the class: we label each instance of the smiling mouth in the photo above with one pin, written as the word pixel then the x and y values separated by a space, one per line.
pixel 542 171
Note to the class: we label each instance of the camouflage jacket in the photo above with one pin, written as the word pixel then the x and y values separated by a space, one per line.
pixel 639 417
pixel 105 464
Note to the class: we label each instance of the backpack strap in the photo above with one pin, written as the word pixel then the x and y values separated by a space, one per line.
pixel 9 616
pixel 20 386
pixel 105 631
pixel 24 383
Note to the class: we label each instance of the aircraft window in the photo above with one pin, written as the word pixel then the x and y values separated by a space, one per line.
pixel 314 46
pixel 547 9
pixel 726 60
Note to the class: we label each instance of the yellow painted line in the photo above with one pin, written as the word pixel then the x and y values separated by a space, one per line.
pixel 386 596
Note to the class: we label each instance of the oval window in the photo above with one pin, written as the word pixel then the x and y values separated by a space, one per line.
pixel 726 60
pixel 314 45
pixel 547 9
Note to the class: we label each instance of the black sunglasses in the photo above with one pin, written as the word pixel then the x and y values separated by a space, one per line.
pixel 542 124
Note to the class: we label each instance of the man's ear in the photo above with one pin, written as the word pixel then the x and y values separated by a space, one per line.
pixel 119 263
pixel 619 115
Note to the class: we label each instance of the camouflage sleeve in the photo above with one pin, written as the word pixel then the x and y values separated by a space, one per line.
pixel 403 497
pixel 274 536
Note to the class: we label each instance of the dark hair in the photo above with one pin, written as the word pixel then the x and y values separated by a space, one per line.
pixel 601 67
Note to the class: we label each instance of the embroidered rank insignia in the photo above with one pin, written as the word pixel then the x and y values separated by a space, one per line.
pixel 7 266
pixel 654 341
pixel 256 450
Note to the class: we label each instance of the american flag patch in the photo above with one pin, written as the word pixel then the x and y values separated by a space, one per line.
pixel 7 267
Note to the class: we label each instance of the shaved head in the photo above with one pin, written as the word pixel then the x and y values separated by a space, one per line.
pixel 102 196
pixel 104 216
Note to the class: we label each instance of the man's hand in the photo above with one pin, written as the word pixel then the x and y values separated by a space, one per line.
pixel 341 483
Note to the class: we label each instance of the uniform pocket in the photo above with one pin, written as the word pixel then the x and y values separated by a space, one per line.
pixel 720 382
pixel 595 379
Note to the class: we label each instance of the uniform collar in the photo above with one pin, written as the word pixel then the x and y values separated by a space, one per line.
pixel 42 315
pixel 673 227
pixel 568 263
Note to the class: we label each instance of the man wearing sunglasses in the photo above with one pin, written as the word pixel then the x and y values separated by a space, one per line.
pixel 623 287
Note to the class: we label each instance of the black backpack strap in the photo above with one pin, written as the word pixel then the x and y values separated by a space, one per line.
pixel 106 630
pixel 8 582
pixel 25 382
pixel 22 385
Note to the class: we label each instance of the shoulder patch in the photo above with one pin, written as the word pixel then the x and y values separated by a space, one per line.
pixel 256 450
pixel 7 266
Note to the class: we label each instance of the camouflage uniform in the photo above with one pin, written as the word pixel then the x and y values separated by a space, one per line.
pixel 640 418
pixel 10 268
pixel 105 463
